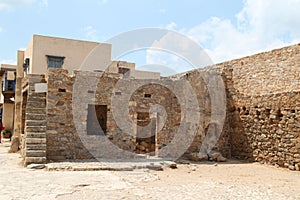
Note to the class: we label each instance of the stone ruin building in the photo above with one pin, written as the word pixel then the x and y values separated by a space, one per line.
pixel 60 111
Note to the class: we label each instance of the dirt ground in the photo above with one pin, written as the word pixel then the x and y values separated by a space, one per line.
pixel 230 180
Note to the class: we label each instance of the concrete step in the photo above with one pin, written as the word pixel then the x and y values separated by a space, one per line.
pixel 35 135
pixel 35 141
pixel 33 116
pixel 35 123
pixel 36 160
pixel 35 129
pixel 36 147
pixel 35 153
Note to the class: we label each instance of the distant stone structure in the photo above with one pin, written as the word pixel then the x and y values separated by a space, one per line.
pixel 60 113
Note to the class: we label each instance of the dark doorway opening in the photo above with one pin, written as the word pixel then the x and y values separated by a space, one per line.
pixel 97 119
pixel 24 104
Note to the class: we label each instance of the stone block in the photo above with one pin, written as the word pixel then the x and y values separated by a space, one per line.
pixel 35 160
pixel 36 146
pixel 35 129
pixel 35 153
pixel 34 116
pixel 35 135
pixel 35 141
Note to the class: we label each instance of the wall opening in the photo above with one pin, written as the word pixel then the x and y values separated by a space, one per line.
pixel 146 134
pixel 61 90
pixel 147 96
pixel 55 61
pixel 123 70
pixel 279 115
pixel 96 120
pixel 23 112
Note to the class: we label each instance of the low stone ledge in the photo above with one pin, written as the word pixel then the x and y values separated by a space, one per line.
pixel 117 166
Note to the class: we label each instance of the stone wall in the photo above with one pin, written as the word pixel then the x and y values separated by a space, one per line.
pixel 260 123
pixel 70 99
pixel 160 100
pixel 267 129
pixel 63 141
pixel 263 106
pixel 209 87
pixel 266 73
pixel 33 125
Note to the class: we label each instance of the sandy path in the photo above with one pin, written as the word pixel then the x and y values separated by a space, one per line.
pixel 231 180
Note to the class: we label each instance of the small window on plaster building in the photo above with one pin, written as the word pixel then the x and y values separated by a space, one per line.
pixel 55 61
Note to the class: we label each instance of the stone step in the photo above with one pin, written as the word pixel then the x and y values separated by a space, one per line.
pixel 36 147
pixel 36 99
pixel 35 141
pixel 35 128
pixel 31 116
pixel 29 123
pixel 35 153
pixel 36 110
pixel 36 160
pixel 37 95
pixel 35 135
pixel 36 104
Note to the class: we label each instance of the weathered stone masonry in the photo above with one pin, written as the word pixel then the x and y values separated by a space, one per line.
pixel 63 101
pixel 262 114
pixel 263 111
pixel 33 126
pixel 268 129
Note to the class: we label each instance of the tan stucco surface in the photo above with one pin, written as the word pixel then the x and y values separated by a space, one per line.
pixel 74 51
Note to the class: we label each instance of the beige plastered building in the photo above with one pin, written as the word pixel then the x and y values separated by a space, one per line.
pixel 45 52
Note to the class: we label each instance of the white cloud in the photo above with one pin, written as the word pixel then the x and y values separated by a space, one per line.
pixel 102 2
pixel 22 49
pixel 171 26
pixel 1 29
pixel 90 33
pixel 261 25
pixel 176 52
pixel 9 62
pixel 162 10
pixel 9 4
pixel 13 3
pixel 44 3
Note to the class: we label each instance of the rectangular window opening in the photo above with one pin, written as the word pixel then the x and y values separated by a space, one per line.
pixel 147 95
pixel 61 90
pixel 55 61
pixel 123 70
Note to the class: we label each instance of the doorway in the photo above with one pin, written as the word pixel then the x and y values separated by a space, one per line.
pixel 23 112
pixel 96 120
pixel 146 134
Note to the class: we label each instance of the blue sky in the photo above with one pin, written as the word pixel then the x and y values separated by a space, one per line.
pixel 226 29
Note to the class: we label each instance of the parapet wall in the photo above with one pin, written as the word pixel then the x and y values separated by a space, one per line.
pixel 264 106
pixel 270 72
